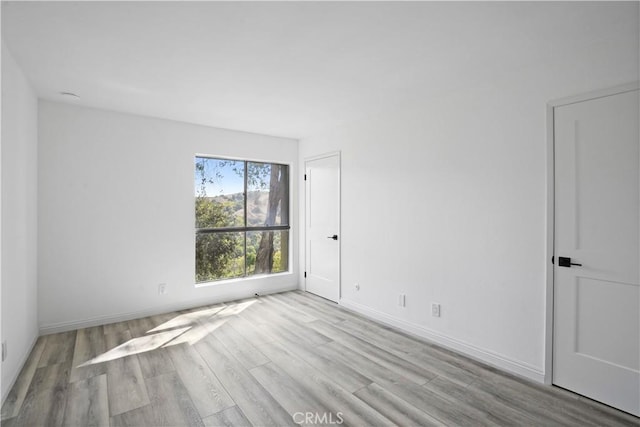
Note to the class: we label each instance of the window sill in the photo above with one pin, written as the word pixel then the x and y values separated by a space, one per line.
pixel 241 279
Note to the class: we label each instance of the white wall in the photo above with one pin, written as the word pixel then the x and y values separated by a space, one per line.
pixel 445 201
pixel 116 214
pixel 19 220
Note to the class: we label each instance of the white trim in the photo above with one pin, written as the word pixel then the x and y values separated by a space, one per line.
pixel 497 360
pixel 627 87
pixel 25 356
pixel 550 246
pixel 548 318
pixel 242 279
pixel 321 156
pixel 54 328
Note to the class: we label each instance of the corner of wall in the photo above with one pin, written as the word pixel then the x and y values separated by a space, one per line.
pixel 18 229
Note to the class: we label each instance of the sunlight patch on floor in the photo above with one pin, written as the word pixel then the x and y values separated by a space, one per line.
pixel 188 319
pixel 135 346
pixel 197 332
pixel 185 328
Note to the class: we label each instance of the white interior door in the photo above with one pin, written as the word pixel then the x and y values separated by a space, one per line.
pixel 596 349
pixel 323 226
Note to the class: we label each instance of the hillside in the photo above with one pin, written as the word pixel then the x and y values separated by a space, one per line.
pixel 257 202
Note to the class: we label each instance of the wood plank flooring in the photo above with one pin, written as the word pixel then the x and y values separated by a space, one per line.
pixel 283 359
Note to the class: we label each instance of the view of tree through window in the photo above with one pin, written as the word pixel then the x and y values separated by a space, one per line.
pixel 242 218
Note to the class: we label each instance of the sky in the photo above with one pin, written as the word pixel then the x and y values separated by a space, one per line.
pixel 232 182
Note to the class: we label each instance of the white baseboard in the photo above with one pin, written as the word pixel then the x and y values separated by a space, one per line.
pixel 54 328
pixel 15 375
pixel 494 359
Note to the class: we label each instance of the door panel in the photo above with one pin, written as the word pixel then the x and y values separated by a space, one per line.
pixel 597 197
pixel 602 307
pixel 322 223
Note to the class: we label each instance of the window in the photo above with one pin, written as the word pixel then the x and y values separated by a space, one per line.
pixel 242 218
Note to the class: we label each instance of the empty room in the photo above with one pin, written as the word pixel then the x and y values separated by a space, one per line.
pixel 320 213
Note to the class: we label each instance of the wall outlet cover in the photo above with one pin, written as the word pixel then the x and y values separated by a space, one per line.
pixel 435 309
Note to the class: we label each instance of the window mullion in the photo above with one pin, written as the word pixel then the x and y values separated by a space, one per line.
pixel 242 229
pixel 246 195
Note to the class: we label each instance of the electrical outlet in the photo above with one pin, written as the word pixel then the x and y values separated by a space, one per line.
pixel 4 350
pixel 402 300
pixel 435 309
pixel 162 289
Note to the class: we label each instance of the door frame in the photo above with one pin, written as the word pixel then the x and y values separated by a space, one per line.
pixel 550 246
pixel 337 154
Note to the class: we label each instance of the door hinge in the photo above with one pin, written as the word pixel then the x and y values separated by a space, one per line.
pixel 305 274
pixel 305 176
pixel 553 258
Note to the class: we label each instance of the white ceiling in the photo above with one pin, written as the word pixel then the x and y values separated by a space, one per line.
pixel 287 68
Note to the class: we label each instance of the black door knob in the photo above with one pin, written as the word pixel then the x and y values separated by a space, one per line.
pixel 334 237
pixel 566 262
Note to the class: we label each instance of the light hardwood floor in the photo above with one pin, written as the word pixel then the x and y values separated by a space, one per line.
pixel 274 360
